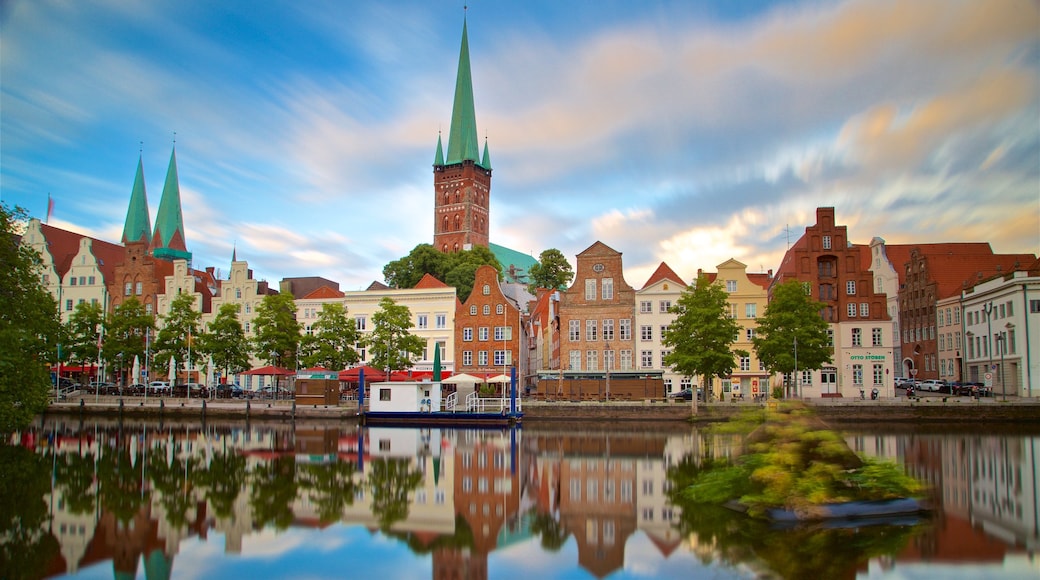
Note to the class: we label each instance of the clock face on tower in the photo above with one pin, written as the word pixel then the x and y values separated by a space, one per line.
pixel 597 268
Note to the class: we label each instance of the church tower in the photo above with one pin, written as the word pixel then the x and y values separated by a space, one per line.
pixel 168 239
pixel 462 180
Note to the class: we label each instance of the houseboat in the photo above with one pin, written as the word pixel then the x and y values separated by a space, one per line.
pixel 426 403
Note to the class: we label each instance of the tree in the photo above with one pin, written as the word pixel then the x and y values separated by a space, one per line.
pixel 180 326
pixel 455 269
pixel 126 333
pixel 277 331
pixel 332 343
pixel 552 271
pixel 390 343
pixel 84 333
pixel 29 327
pixel 792 335
pixel 702 335
pixel 225 341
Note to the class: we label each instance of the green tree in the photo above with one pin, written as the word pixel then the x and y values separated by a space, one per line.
pixel 176 337
pixel 332 341
pixel 552 271
pixel 126 330
pixel 83 332
pixel 225 341
pixel 390 483
pixel 390 344
pixel 455 269
pixel 792 334
pixel 29 327
pixel 702 335
pixel 277 335
pixel 273 492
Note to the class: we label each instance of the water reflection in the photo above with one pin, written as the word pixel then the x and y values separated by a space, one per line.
pixel 127 499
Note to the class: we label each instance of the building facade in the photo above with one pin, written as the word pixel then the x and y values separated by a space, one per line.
pixel 489 329
pixel 652 316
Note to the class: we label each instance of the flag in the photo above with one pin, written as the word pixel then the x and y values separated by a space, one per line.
pixel 50 208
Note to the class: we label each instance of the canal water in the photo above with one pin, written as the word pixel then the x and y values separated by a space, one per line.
pixel 123 499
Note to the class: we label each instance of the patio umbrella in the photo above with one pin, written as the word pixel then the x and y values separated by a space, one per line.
pixel 173 370
pixel 436 363
pixel 209 371
pixel 463 379
pixel 504 379
pixel 137 370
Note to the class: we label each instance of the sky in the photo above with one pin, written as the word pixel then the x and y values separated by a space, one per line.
pixel 678 131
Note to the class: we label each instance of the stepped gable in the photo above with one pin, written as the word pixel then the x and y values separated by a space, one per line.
pixel 324 292
pixel 429 281
pixel 64 245
pixel 663 272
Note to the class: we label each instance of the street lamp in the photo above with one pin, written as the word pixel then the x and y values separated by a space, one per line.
pixel 797 383
pixel 607 360
pixel 1002 343
pixel 988 309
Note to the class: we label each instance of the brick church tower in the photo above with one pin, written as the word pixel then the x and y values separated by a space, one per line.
pixel 462 180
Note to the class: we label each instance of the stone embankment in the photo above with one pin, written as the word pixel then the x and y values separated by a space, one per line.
pixel 928 410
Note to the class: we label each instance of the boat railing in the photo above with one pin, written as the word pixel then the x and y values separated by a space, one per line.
pixel 477 404
pixel 451 401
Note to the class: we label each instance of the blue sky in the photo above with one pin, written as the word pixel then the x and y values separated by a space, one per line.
pixel 685 132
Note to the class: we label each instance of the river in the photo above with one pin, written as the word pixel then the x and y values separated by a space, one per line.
pixel 134 499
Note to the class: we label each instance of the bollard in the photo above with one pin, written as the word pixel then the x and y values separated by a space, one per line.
pixel 247 409
pixel 204 409
pixel 294 409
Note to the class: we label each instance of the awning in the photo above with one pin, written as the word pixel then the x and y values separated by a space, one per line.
pixel 270 370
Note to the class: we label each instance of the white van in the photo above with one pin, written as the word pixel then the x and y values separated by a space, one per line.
pixel 159 388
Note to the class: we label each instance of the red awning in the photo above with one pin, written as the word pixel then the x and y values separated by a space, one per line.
pixel 371 374
pixel 270 370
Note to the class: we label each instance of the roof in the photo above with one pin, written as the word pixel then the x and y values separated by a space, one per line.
pixel 376 285
pixel 64 245
pixel 269 370
pixel 515 265
pixel 429 281
pixel 323 292
pixel 462 140
pixel 138 226
pixel 663 272
pixel 168 240
pixel 899 254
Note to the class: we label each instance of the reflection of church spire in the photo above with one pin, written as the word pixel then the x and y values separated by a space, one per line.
pixel 168 240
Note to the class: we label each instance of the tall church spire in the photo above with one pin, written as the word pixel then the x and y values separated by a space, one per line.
pixel 168 240
pixel 462 140
pixel 138 225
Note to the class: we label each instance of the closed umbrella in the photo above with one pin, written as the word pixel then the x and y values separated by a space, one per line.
pixel 209 371
pixel 173 370
pixel 436 363
pixel 137 370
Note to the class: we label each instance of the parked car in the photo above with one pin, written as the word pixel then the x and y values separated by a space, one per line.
pixel 159 388
pixel 99 387
pixel 687 394
pixel 135 390
pixel 191 390
pixel 933 385
pixel 271 392
pixel 227 391
pixel 903 383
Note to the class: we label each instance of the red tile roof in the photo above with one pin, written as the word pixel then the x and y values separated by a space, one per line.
pixel 64 245
pixel 428 281
pixel 664 272
pixel 324 292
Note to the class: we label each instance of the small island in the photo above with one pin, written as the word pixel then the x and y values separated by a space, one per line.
pixel 793 468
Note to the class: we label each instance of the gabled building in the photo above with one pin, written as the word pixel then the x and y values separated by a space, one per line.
pixel 652 317
pixel 489 327
pixel 543 337
pixel 832 270
pixel 748 298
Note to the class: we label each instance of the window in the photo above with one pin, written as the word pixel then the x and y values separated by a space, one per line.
pixel 731 285
pixel 68 305
pixel 467 334
pixel 626 359
pixel 826 242
pixel 750 310
pixel 745 363
pixel 864 310
pixel 850 287
pixel 646 359
pixel 503 333
pixel 608 329
pixel 607 290
pixel 359 321
pixel 590 289
pixel 875 337
pixel 482 333
pixel 467 358
pixel 645 307
pixel 129 289
pixel 664 355
pixel 830 337
pixel 1034 306
pixel 503 357
pixel 750 334
pixel 591 360
pixel 575 357
pixel 574 330
pixel 442 321
pixel 422 321
pixel 590 330
pixel 139 288
pixel 238 293
pixel 857 375
pixel 486 289
pixel 852 310
pixel 72 281
pixel 487 309
pixel 482 358
pixel 608 359
pixel 646 332
pixel 665 305
pixel 625 329
pixel 879 374
pixel 500 309
pixel 384 395
pixel 732 309
pixel 90 281
pixel 473 310
pixel 857 337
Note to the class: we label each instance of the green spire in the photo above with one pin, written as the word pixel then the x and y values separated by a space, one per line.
pixel 438 159
pixel 168 240
pixel 138 225
pixel 486 163
pixel 462 141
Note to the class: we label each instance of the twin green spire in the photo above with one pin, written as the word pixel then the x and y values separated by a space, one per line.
pixel 462 140
pixel 138 226
pixel 167 241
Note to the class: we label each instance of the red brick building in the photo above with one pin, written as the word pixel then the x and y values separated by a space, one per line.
pixel 488 329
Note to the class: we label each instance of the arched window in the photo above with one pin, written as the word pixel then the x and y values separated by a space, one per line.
pixel 458 222
pixel 457 196
pixel 444 227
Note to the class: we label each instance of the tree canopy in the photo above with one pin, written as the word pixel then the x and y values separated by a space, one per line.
pixel 390 344
pixel 552 271
pixel 792 317
pixel 702 335
pixel 181 325
pixel 83 332
pixel 225 341
pixel 126 332
pixel 277 333
pixel 29 327
pixel 332 339
pixel 455 269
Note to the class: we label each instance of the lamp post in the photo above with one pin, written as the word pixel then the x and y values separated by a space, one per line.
pixel 969 350
pixel 607 361
pixel 797 383
pixel 1002 343
pixel 988 309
